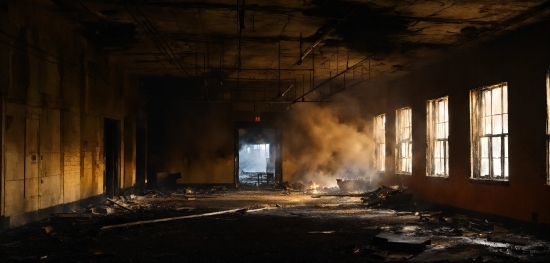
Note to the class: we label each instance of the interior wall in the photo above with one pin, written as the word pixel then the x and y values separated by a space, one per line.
pixel 56 90
pixel 519 58
pixel 193 138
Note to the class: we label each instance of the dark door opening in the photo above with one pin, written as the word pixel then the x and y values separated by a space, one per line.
pixel 258 155
pixel 110 152
pixel 141 156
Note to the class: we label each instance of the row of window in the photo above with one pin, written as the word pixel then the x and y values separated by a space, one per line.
pixel 488 131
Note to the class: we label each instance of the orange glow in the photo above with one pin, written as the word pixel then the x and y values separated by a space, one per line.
pixel 314 187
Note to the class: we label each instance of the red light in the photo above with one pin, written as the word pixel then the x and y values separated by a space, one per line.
pixel 257 119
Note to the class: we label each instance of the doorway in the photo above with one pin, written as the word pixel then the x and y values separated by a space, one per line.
pixel 111 156
pixel 257 157
pixel 141 156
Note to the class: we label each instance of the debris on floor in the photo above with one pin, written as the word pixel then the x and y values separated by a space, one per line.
pixel 354 185
pixel 337 227
pixel 102 210
pixel 387 195
pixel 238 211
pixel 72 215
pixel 401 242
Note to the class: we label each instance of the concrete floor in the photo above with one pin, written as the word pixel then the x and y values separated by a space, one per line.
pixel 293 227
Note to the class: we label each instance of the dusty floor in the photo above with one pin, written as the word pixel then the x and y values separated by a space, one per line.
pixel 293 227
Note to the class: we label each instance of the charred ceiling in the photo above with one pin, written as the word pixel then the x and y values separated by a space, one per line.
pixel 307 50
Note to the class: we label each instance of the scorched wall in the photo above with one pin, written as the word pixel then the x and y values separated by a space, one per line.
pixel 56 91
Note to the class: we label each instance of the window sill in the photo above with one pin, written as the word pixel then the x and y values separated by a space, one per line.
pixel 489 181
pixel 437 177
pixel 403 173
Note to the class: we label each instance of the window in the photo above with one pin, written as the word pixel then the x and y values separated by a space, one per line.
pixel 437 159
pixel 403 163
pixel 380 142
pixel 489 132
pixel 547 128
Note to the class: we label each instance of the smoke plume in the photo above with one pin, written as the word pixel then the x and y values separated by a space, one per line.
pixel 323 143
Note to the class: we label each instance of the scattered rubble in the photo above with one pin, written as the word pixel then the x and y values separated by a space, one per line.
pixel 387 195
pixel 73 215
pixel 48 229
pixel 102 210
pixel 119 205
pixel 401 242
pixel 384 231
pixel 352 185
pixel 241 211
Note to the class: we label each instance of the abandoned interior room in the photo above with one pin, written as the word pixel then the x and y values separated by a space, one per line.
pixel 269 131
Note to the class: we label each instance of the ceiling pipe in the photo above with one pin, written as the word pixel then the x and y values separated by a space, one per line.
pixel 335 76
pixel 280 95
pixel 307 51
pixel 304 55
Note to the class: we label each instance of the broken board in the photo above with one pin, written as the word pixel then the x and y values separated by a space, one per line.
pixel 401 243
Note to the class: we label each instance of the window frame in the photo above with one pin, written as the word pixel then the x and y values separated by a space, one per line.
pixel 399 156
pixel 478 132
pixel 379 139
pixel 432 121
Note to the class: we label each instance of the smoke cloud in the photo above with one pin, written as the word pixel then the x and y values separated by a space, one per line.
pixel 325 142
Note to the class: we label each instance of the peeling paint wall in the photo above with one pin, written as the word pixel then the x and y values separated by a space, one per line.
pixel 521 59
pixel 56 91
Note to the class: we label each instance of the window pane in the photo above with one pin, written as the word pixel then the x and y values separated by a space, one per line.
pixel 446 150
pixel 486 104
pixel 496 147
pixel 497 124
pixel 505 99
pixel 497 167
pixel 487 121
pixel 436 150
pixel 504 123
pixel 484 169
pixel 506 171
pixel 446 130
pixel 484 142
pixel 506 146
pixel 443 149
pixel 440 131
pixel 496 104
pixel 446 160
pixel 446 110
pixel 481 124
pixel 441 111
